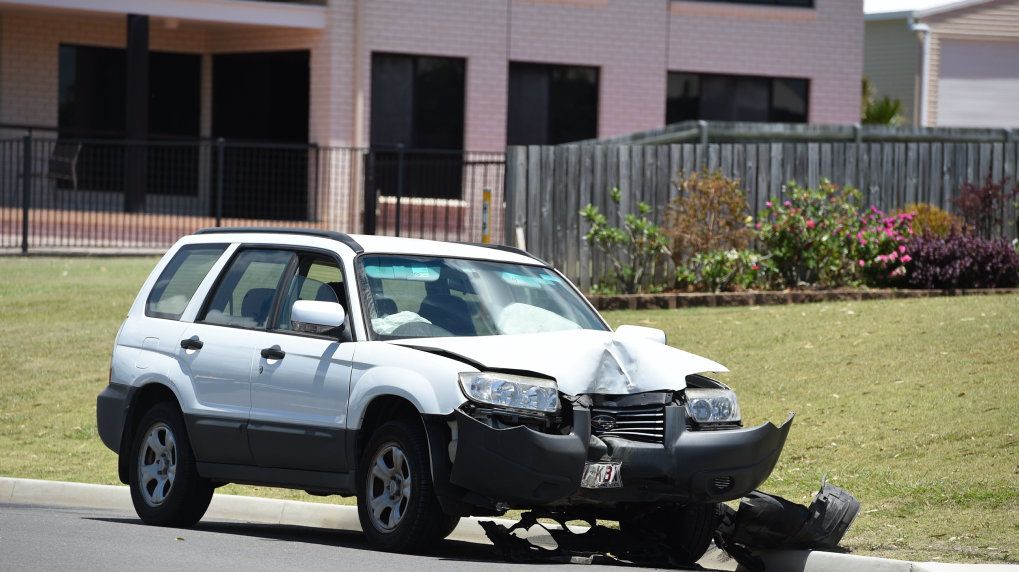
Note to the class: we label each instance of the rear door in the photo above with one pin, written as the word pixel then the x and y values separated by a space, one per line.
pixel 216 352
pixel 299 388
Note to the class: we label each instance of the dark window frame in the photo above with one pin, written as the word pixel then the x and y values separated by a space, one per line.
pixel 772 83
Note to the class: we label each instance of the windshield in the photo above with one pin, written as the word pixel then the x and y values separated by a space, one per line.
pixel 426 297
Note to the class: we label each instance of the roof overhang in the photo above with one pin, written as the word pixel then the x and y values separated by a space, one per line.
pixel 246 12
pixel 921 13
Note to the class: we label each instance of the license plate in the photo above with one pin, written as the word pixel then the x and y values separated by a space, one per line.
pixel 602 476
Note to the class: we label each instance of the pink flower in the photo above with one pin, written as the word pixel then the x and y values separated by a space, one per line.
pixel 863 242
pixel 754 267
pixel 811 223
pixel 768 204
pixel 862 263
pixel 893 255
pixel 906 258
pixel 902 249
pixel 787 204
pixel 882 258
pixel 757 226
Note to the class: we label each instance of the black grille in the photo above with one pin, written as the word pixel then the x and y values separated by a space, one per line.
pixel 646 423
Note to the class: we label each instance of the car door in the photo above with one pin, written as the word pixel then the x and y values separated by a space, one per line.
pixel 216 352
pixel 300 382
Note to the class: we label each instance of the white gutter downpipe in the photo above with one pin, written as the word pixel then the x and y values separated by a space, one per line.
pixel 925 67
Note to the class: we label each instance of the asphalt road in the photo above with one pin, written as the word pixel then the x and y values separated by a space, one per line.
pixel 47 538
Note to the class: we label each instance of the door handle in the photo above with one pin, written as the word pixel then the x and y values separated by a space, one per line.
pixel 273 353
pixel 192 344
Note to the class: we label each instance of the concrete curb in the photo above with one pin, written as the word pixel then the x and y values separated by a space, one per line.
pixel 321 515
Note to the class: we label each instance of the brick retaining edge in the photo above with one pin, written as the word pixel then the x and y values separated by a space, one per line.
pixel 674 300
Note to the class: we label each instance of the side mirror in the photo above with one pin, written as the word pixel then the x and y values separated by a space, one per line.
pixel 315 317
pixel 643 333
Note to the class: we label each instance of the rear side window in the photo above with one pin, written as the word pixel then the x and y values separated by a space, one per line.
pixel 245 295
pixel 180 279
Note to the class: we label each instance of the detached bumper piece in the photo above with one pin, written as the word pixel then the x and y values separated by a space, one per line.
pixel 523 467
pixel 111 410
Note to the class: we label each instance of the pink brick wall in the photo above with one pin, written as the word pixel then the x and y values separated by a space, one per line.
pixel 824 44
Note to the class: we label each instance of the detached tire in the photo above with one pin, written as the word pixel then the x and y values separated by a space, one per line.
pixel 165 487
pixel 685 530
pixel 396 500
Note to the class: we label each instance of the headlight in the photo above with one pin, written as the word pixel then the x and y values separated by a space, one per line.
pixel 712 405
pixel 512 391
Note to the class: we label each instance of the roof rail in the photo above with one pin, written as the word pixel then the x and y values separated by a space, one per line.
pixel 507 248
pixel 337 236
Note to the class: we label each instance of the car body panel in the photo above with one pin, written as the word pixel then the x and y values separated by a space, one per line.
pixel 581 361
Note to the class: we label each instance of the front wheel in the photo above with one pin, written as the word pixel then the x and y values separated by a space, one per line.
pixel 165 487
pixel 685 530
pixel 396 501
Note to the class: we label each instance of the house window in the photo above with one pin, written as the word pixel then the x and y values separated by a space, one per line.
pixel 93 87
pixel 417 102
pixel 551 104
pixel 735 98
pixel 797 3
pixel 92 96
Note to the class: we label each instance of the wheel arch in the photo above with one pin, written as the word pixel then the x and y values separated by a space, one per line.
pixel 143 399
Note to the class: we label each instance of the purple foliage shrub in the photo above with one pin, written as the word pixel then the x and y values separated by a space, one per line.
pixel 961 261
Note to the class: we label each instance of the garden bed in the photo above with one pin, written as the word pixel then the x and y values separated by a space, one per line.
pixel 671 300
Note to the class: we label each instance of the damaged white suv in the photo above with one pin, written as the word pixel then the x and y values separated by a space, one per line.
pixel 432 380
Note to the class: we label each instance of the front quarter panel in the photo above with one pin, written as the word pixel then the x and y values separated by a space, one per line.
pixel 428 381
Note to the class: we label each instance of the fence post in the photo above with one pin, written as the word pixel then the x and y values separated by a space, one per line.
pixel 26 187
pixel 371 196
pixel 399 184
pixel 702 126
pixel 220 143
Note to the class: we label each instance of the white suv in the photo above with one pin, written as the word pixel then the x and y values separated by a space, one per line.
pixel 432 380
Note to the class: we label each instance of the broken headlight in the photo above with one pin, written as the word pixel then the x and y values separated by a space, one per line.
pixel 712 406
pixel 511 391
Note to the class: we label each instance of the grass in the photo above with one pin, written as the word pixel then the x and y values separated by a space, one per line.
pixel 911 405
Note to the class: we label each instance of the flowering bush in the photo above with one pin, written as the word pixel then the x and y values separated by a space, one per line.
pixel 725 270
pixel 882 254
pixel 811 236
pixel 961 261
pixel 929 219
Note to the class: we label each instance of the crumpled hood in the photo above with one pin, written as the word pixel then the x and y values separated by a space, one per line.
pixel 581 361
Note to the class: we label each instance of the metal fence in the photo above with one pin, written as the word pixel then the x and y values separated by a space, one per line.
pixel 59 193
pixel 547 186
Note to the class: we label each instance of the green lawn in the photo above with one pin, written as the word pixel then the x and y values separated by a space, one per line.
pixel 911 405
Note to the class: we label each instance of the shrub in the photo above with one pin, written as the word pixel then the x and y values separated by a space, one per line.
pixel 880 246
pixel 634 249
pixel 719 270
pixel 810 236
pixel 961 261
pixel 982 206
pixel 933 221
pixel 708 215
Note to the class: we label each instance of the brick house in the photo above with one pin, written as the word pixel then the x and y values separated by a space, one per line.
pixel 440 74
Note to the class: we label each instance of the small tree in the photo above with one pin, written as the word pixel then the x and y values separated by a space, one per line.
pixel 634 249
pixel 883 111
pixel 710 214
pixel 983 206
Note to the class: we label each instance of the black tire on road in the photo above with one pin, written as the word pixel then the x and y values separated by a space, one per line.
pixel 165 487
pixel 395 473
pixel 685 530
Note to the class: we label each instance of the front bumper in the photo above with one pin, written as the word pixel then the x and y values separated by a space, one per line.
pixel 523 467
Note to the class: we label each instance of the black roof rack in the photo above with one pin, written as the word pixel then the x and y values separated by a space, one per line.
pixel 337 236
pixel 507 248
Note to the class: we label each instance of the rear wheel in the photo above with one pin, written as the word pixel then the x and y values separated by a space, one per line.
pixel 396 500
pixel 165 487
pixel 685 530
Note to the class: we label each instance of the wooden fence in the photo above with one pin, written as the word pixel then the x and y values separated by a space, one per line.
pixel 547 186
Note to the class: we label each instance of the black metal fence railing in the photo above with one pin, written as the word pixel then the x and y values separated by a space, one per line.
pixel 64 193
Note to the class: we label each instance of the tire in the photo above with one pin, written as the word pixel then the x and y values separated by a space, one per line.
pixel 407 517
pixel 165 487
pixel 685 530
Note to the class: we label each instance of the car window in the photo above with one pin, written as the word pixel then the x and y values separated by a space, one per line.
pixel 418 296
pixel 318 278
pixel 180 279
pixel 245 295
